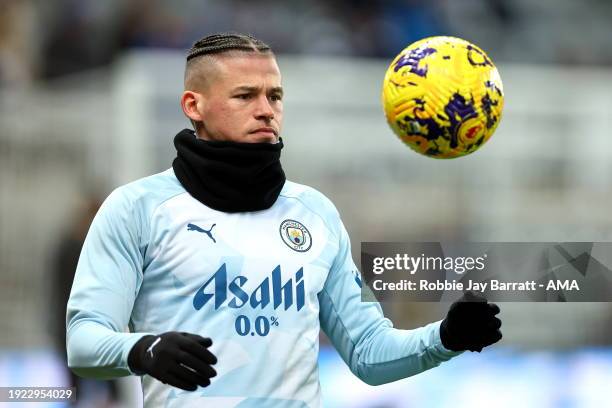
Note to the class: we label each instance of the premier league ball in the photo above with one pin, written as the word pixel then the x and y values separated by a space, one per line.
pixel 443 97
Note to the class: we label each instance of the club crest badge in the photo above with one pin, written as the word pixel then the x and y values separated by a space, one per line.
pixel 295 235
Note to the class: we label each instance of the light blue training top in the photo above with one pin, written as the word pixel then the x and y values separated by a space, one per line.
pixel 260 284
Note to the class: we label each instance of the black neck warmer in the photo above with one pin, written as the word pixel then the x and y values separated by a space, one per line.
pixel 229 176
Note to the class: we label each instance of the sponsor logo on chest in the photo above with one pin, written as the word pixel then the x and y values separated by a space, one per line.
pixel 270 291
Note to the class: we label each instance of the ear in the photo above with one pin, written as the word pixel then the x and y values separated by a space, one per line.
pixel 192 104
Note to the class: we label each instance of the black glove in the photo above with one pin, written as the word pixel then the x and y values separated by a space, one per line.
pixel 178 359
pixel 470 324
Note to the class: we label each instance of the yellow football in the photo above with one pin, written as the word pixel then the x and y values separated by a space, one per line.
pixel 443 97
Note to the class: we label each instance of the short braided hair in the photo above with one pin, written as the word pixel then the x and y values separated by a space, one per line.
pixel 217 43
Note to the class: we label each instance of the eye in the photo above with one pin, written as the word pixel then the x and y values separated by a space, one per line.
pixel 243 96
pixel 276 97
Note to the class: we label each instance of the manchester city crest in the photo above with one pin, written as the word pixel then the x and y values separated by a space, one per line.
pixel 295 235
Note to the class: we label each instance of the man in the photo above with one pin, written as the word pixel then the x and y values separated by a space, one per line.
pixel 221 248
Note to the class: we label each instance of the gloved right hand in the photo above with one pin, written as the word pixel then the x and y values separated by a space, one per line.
pixel 174 358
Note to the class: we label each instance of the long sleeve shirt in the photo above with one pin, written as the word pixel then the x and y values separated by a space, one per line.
pixel 261 284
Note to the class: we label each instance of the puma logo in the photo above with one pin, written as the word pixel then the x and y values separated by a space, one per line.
pixel 193 227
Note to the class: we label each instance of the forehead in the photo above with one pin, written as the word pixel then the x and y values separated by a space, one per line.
pixel 246 67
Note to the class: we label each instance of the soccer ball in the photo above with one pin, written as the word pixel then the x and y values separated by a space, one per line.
pixel 443 97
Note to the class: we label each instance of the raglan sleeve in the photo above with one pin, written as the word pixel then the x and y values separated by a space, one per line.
pixel 107 279
pixel 373 349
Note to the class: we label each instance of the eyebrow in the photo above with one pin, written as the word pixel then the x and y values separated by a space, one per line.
pixel 245 88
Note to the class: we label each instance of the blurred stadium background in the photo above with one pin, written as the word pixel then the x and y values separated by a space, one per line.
pixel 89 100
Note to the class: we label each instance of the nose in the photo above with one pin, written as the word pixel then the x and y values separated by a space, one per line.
pixel 264 110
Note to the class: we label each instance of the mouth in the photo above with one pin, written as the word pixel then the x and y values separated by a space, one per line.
pixel 267 130
pixel 266 133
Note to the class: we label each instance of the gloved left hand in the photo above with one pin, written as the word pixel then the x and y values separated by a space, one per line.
pixel 470 324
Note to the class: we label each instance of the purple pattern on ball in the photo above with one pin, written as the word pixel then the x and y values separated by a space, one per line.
pixel 412 59
pixel 486 62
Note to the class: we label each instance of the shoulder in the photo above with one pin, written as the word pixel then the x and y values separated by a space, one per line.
pixel 146 194
pixel 309 197
pixel 312 200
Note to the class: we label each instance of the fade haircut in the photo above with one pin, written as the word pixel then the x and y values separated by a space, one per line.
pixel 202 54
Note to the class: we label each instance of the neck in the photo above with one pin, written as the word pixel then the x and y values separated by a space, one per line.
pixel 229 176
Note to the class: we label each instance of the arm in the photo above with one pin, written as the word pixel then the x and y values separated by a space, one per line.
pixel 108 276
pixel 375 351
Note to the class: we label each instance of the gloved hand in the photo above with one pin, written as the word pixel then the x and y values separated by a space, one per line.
pixel 174 358
pixel 470 324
